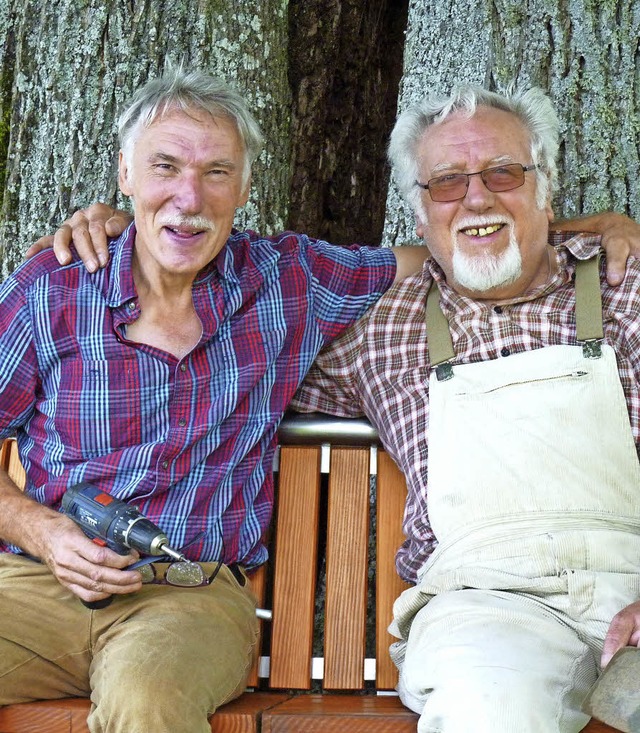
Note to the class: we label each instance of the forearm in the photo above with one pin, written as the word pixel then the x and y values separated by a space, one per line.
pixel 588 223
pixel 23 520
pixel 409 260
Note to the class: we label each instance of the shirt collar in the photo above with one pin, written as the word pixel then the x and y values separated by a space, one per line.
pixel 120 287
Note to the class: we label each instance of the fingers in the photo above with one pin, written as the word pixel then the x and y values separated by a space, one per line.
pixel 620 238
pixel 39 245
pixel 90 571
pixel 93 583
pixel 623 631
pixel 116 224
pixel 617 253
pixel 88 230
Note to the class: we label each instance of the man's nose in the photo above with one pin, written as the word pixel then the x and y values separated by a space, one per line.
pixel 478 196
pixel 188 196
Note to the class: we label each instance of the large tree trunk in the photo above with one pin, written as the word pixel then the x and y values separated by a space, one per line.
pixel 584 54
pixel 67 68
pixel 346 65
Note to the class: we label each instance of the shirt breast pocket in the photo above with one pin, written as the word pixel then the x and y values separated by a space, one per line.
pixel 100 405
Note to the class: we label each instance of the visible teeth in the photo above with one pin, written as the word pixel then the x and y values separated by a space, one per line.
pixel 482 231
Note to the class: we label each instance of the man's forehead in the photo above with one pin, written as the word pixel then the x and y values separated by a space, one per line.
pixel 191 127
pixel 190 116
pixel 490 135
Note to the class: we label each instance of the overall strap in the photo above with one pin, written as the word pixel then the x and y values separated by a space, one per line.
pixel 589 328
pixel 441 352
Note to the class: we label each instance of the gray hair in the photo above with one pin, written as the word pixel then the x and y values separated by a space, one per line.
pixel 532 107
pixel 186 91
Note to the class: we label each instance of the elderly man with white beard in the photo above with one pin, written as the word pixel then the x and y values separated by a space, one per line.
pixel 504 380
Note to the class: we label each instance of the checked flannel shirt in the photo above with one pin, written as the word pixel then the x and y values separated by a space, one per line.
pixel 380 367
pixel 189 441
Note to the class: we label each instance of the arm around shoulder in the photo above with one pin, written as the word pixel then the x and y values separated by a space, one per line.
pixel 409 260
pixel 620 238
pixel 88 231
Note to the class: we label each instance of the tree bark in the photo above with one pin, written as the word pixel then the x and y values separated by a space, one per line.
pixel 584 53
pixel 345 69
pixel 66 69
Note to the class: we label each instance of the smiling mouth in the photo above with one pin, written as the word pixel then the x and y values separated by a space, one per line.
pixel 185 232
pixel 482 231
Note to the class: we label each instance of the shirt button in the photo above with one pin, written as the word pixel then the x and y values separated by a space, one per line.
pixel 182 422
pixel 183 367
pixel 497 309
pixel 132 305
pixel 165 464
pixel 504 351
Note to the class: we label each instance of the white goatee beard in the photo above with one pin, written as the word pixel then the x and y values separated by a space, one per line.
pixel 480 273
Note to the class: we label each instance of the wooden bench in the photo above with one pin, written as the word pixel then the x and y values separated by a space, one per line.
pixel 324 666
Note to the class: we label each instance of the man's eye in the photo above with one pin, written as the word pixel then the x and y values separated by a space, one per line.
pixel 449 180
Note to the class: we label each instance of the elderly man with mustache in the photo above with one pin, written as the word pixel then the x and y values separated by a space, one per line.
pixel 160 379
pixel 505 381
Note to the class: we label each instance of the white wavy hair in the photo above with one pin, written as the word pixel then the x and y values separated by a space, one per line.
pixel 532 107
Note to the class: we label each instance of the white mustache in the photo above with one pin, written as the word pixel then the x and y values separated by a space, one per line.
pixel 189 222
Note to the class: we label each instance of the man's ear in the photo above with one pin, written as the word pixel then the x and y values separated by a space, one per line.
pixel 123 175
pixel 420 225
pixel 244 194
pixel 550 215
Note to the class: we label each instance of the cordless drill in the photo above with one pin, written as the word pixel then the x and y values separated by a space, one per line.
pixel 112 523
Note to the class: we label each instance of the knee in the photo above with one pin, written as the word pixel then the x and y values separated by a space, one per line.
pixel 496 703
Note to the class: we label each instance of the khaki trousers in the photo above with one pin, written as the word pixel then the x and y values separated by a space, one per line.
pixel 160 660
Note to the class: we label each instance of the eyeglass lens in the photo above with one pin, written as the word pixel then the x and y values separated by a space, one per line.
pixel 185 574
pixel 455 186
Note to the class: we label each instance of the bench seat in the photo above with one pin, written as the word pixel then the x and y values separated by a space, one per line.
pixel 324 655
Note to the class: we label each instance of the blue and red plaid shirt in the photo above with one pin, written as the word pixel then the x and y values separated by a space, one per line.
pixel 189 441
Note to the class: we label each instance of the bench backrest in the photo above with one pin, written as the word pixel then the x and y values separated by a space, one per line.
pixel 329 526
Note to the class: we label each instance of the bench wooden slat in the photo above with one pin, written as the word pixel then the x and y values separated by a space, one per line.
pixel 390 499
pixel 10 462
pixel 347 563
pixel 340 714
pixel 295 563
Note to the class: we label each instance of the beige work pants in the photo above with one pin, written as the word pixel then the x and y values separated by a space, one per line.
pixel 160 660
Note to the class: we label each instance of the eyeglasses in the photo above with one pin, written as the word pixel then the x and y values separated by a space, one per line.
pixel 181 573
pixel 185 574
pixel 454 186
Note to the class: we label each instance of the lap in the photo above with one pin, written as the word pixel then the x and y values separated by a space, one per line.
pixel 44 635
pixel 131 657
pixel 494 661
pixel 172 641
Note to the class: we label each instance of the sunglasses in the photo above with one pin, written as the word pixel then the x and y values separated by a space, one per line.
pixel 454 186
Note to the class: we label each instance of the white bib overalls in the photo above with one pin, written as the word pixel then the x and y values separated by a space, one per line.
pixel 534 497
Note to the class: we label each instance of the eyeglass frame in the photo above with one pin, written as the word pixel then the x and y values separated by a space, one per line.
pixel 151 563
pixel 205 581
pixel 427 186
